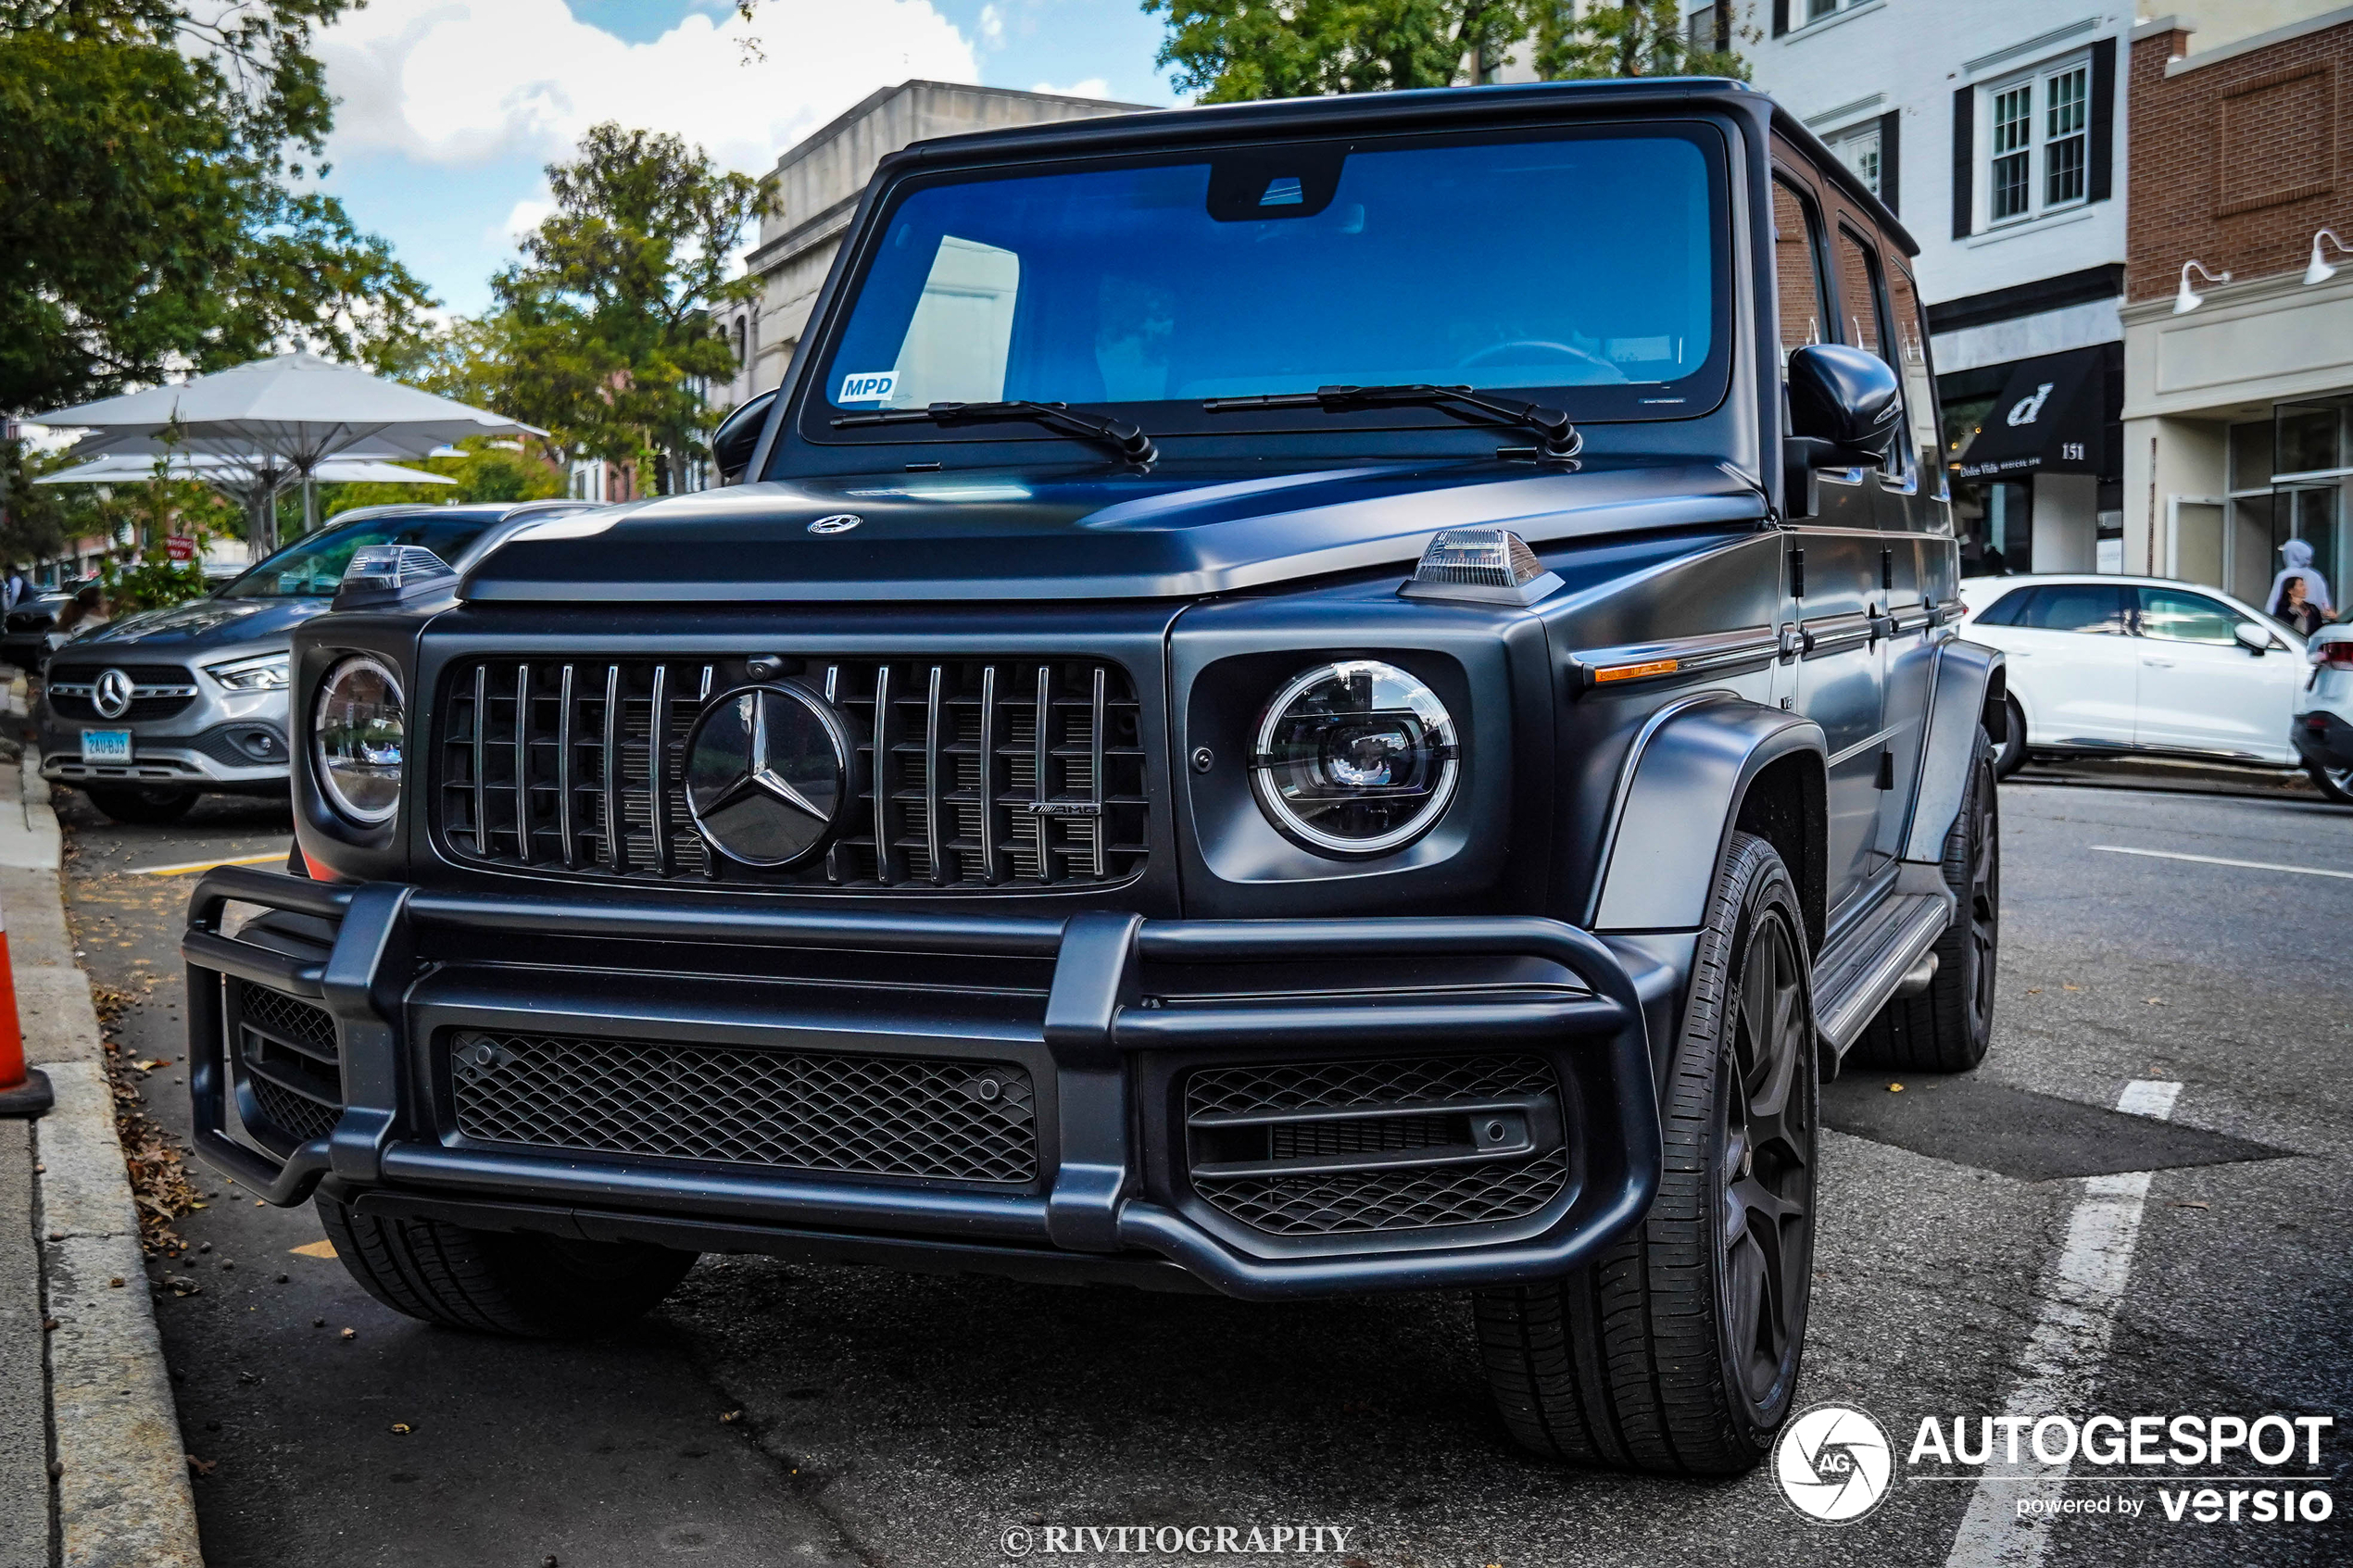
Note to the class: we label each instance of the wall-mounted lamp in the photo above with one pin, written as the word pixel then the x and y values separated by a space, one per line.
pixel 2186 299
pixel 2321 271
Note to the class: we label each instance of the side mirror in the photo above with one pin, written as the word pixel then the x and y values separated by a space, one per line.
pixel 2253 638
pixel 1845 400
pixel 733 443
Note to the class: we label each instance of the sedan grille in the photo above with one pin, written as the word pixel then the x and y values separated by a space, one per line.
pixel 968 775
pixel 858 1115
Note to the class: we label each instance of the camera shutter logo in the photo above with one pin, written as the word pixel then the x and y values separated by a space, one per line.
pixel 111 693
pixel 841 522
pixel 1834 1463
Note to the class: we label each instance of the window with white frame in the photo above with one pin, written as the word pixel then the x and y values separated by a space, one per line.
pixel 2037 141
pixel 1859 150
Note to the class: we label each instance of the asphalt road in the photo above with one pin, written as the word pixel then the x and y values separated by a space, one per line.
pixel 771 1414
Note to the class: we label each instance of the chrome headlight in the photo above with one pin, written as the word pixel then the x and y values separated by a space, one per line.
pixel 265 672
pixel 1355 757
pixel 357 735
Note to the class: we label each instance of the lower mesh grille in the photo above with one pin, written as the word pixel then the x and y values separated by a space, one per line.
pixel 1390 1200
pixel 862 1115
pixel 1408 1143
pixel 300 1117
pixel 288 1055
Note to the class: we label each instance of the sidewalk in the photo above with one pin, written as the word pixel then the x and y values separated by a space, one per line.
pixel 92 1471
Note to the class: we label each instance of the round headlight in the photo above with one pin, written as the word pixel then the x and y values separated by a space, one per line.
pixel 1355 757
pixel 356 738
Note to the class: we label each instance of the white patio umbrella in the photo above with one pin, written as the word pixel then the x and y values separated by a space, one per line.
pixel 225 473
pixel 286 414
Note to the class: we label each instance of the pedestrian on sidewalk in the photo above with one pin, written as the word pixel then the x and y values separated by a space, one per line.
pixel 13 589
pixel 2296 611
pixel 2297 553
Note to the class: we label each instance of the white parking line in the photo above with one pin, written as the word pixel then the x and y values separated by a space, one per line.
pixel 2063 1356
pixel 2217 861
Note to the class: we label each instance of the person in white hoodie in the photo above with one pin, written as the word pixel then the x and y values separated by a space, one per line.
pixel 2299 555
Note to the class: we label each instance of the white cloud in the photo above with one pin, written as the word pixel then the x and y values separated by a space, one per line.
pixel 1093 87
pixel 458 82
pixel 527 215
pixel 992 27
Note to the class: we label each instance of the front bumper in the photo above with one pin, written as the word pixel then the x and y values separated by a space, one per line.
pixel 399 971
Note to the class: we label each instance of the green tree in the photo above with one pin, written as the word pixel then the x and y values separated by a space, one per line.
pixel 1227 51
pixel 151 219
pixel 602 332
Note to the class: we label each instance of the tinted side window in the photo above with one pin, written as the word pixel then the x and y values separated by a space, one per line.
pixel 2004 611
pixel 2177 617
pixel 1910 339
pixel 1797 268
pixel 2073 607
pixel 1858 299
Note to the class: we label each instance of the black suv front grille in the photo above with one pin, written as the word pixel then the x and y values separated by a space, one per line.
pixel 1338 1148
pixel 857 1115
pixel 969 774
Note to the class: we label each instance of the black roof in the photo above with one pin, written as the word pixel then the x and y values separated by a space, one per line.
pixel 1427 107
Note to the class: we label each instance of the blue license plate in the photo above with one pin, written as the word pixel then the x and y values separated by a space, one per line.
pixel 106 745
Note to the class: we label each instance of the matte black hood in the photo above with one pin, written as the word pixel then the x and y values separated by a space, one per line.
pixel 197 625
pixel 999 534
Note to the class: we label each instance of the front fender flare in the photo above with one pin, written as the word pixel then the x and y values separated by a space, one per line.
pixel 1967 689
pixel 1678 794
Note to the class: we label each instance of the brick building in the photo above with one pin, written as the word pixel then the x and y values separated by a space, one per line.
pixel 2238 417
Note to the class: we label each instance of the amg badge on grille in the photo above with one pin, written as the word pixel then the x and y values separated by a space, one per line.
pixel 766 774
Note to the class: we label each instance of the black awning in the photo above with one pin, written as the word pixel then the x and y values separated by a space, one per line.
pixel 2047 421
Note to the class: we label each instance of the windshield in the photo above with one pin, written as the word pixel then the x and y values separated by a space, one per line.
pixel 1586 261
pixel 313 568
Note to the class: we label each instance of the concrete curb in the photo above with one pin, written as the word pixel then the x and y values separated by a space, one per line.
pixel 121 1497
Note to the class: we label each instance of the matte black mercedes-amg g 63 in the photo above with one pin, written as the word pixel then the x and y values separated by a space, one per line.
pixel 1296 698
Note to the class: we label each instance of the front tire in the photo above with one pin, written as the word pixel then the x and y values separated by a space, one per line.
pixel 526 1286
pixel 1947 1027
pixel 146 806
pixel 1676 1350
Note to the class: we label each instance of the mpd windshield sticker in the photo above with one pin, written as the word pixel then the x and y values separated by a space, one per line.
pixel 867 386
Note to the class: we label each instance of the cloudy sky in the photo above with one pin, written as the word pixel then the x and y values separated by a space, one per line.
pixel 450 108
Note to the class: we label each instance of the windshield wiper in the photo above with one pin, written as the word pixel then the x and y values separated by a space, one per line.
pixel 1555 436
pixel 1127 440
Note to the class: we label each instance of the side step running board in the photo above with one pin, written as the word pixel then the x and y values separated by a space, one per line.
pixel 1867 966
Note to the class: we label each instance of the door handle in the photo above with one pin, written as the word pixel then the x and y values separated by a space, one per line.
pixel 2158 663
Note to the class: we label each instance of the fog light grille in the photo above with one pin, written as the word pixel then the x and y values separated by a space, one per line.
pixel 289 1056
pixel 862 1115
pixel 1325 1149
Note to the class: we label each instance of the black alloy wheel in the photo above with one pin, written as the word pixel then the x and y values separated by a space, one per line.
pixel 1766 1172
pixel 2336 784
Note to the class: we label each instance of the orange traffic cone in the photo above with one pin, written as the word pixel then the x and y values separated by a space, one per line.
pixel 24 1091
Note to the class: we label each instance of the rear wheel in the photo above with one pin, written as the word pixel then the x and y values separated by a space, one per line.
pixel 1947 1027
pixel 2010 756
pixel 493 1282
pixel 1676 1350
pixel 141 803
pixel 2334 782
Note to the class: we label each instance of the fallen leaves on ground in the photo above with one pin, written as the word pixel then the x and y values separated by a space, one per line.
pixel 156 1163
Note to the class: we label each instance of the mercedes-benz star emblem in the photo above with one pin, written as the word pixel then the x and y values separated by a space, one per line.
pixel 110 693
pixel 841 522
pixel 766 773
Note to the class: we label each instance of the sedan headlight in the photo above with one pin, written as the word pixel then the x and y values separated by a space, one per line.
pixel 265 672
pixel 358 733
pixel 1355 757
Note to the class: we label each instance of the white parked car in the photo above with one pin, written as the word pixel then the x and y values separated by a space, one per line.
pixel 2103 664
pixel 2323 727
